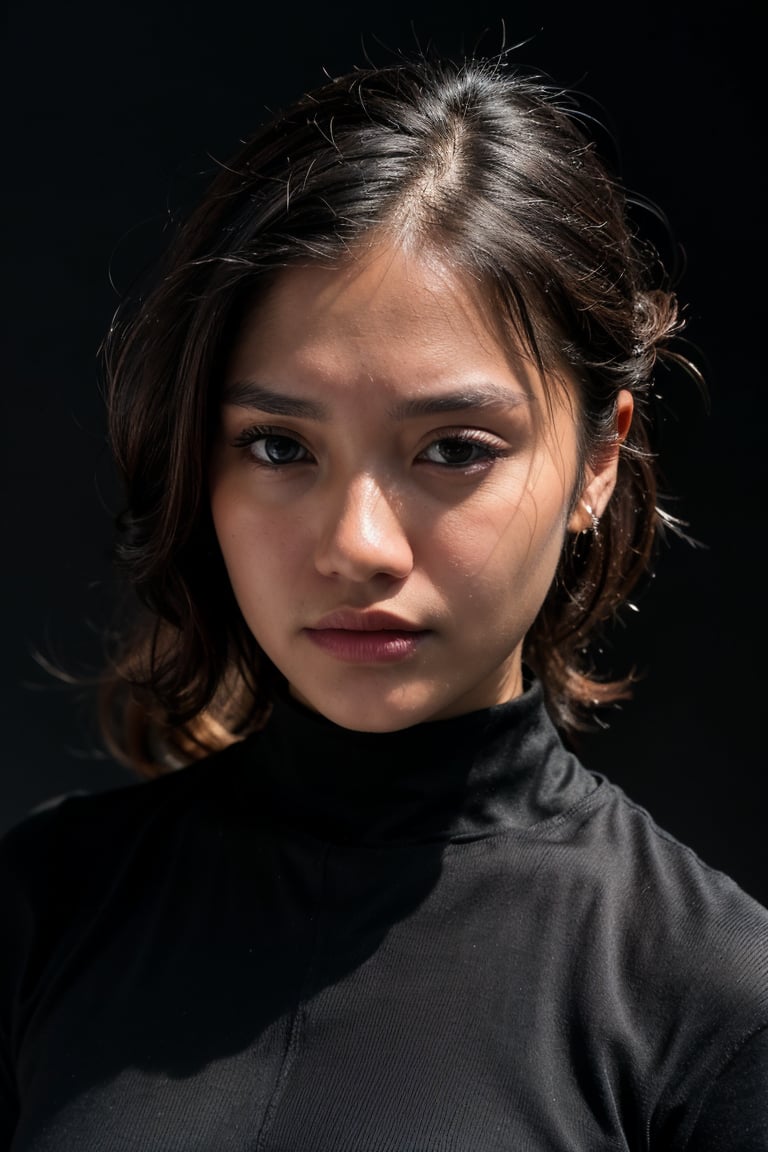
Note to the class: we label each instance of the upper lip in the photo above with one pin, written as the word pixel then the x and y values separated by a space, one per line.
pixel 373 620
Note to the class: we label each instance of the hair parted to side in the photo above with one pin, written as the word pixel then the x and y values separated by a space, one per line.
pixel 492 169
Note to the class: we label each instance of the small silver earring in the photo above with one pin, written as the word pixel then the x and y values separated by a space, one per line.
pixel 593 517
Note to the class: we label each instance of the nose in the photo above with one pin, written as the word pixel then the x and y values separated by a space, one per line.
pixel 362 534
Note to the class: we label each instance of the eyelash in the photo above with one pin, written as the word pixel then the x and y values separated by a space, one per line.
pixel 250 436
pixel 487 446
pixel 474 439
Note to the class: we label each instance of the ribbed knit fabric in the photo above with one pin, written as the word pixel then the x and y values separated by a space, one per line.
pixel 448 938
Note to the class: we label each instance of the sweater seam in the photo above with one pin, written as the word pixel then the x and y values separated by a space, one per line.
pixel 298 1022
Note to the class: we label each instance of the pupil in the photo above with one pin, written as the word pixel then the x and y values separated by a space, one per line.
pixel 280 449
pixel 456 451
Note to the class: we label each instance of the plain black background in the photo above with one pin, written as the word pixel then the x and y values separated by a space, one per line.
pixel 114 111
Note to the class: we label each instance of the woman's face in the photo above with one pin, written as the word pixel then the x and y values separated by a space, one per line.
pixel 391 491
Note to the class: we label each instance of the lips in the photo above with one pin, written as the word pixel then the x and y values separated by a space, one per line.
pixel 372 637
pixel 351 620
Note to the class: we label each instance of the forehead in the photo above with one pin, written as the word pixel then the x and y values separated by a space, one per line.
pixel 411 298
pixel 390 317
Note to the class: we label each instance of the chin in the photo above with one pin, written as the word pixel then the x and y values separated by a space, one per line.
pixel 370 715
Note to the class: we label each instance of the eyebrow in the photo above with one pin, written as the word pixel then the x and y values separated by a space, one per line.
pixel 485 395
pixel 249 394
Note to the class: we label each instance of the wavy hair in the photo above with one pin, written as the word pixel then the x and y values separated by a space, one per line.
pixel 493 169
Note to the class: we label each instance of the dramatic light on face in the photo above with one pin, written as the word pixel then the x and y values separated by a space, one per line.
pixel 390 490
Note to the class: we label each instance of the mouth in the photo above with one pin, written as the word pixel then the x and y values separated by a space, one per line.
pixel 366 620
pixel 372 637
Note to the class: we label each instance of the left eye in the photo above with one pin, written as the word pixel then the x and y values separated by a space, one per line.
pixel 457 452
pixel 277 450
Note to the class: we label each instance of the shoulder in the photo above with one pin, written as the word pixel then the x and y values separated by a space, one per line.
pixel 672 888
pixel 667 860
pixel 70 843
pixel 674 940
pixel 671 962
pixel 624 833
pixel 686 934
pixel 82 853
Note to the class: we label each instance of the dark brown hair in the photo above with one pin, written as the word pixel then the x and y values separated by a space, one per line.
pixel 490 167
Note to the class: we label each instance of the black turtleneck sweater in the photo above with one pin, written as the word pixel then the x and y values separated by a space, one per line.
pixel 448 938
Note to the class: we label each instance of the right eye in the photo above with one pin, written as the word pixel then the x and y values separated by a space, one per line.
pixel 272 449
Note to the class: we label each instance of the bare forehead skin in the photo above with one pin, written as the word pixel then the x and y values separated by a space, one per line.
pixel 384 308
pixel 411 303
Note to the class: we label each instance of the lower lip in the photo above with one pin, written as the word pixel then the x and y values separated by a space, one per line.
pixel 385 647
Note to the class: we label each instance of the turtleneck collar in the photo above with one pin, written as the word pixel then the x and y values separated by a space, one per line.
pixel 469 776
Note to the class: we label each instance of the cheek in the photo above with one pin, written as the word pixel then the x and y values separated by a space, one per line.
pixel 504 538
pixel 230 523
pixel 240 521
pixel 254 544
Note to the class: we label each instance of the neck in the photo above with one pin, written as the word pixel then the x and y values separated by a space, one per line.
pixel 468 776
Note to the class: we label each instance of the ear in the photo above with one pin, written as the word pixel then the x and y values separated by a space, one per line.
pixel 600 476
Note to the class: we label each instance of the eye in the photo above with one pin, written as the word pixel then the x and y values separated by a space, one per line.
pixel 272 448
pixel 459 451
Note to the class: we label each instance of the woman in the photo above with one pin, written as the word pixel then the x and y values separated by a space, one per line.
pixel 385 427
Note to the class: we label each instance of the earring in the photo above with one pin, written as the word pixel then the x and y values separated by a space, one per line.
pixel 593 517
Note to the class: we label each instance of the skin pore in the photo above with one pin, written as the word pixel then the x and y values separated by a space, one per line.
pixel 391 490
